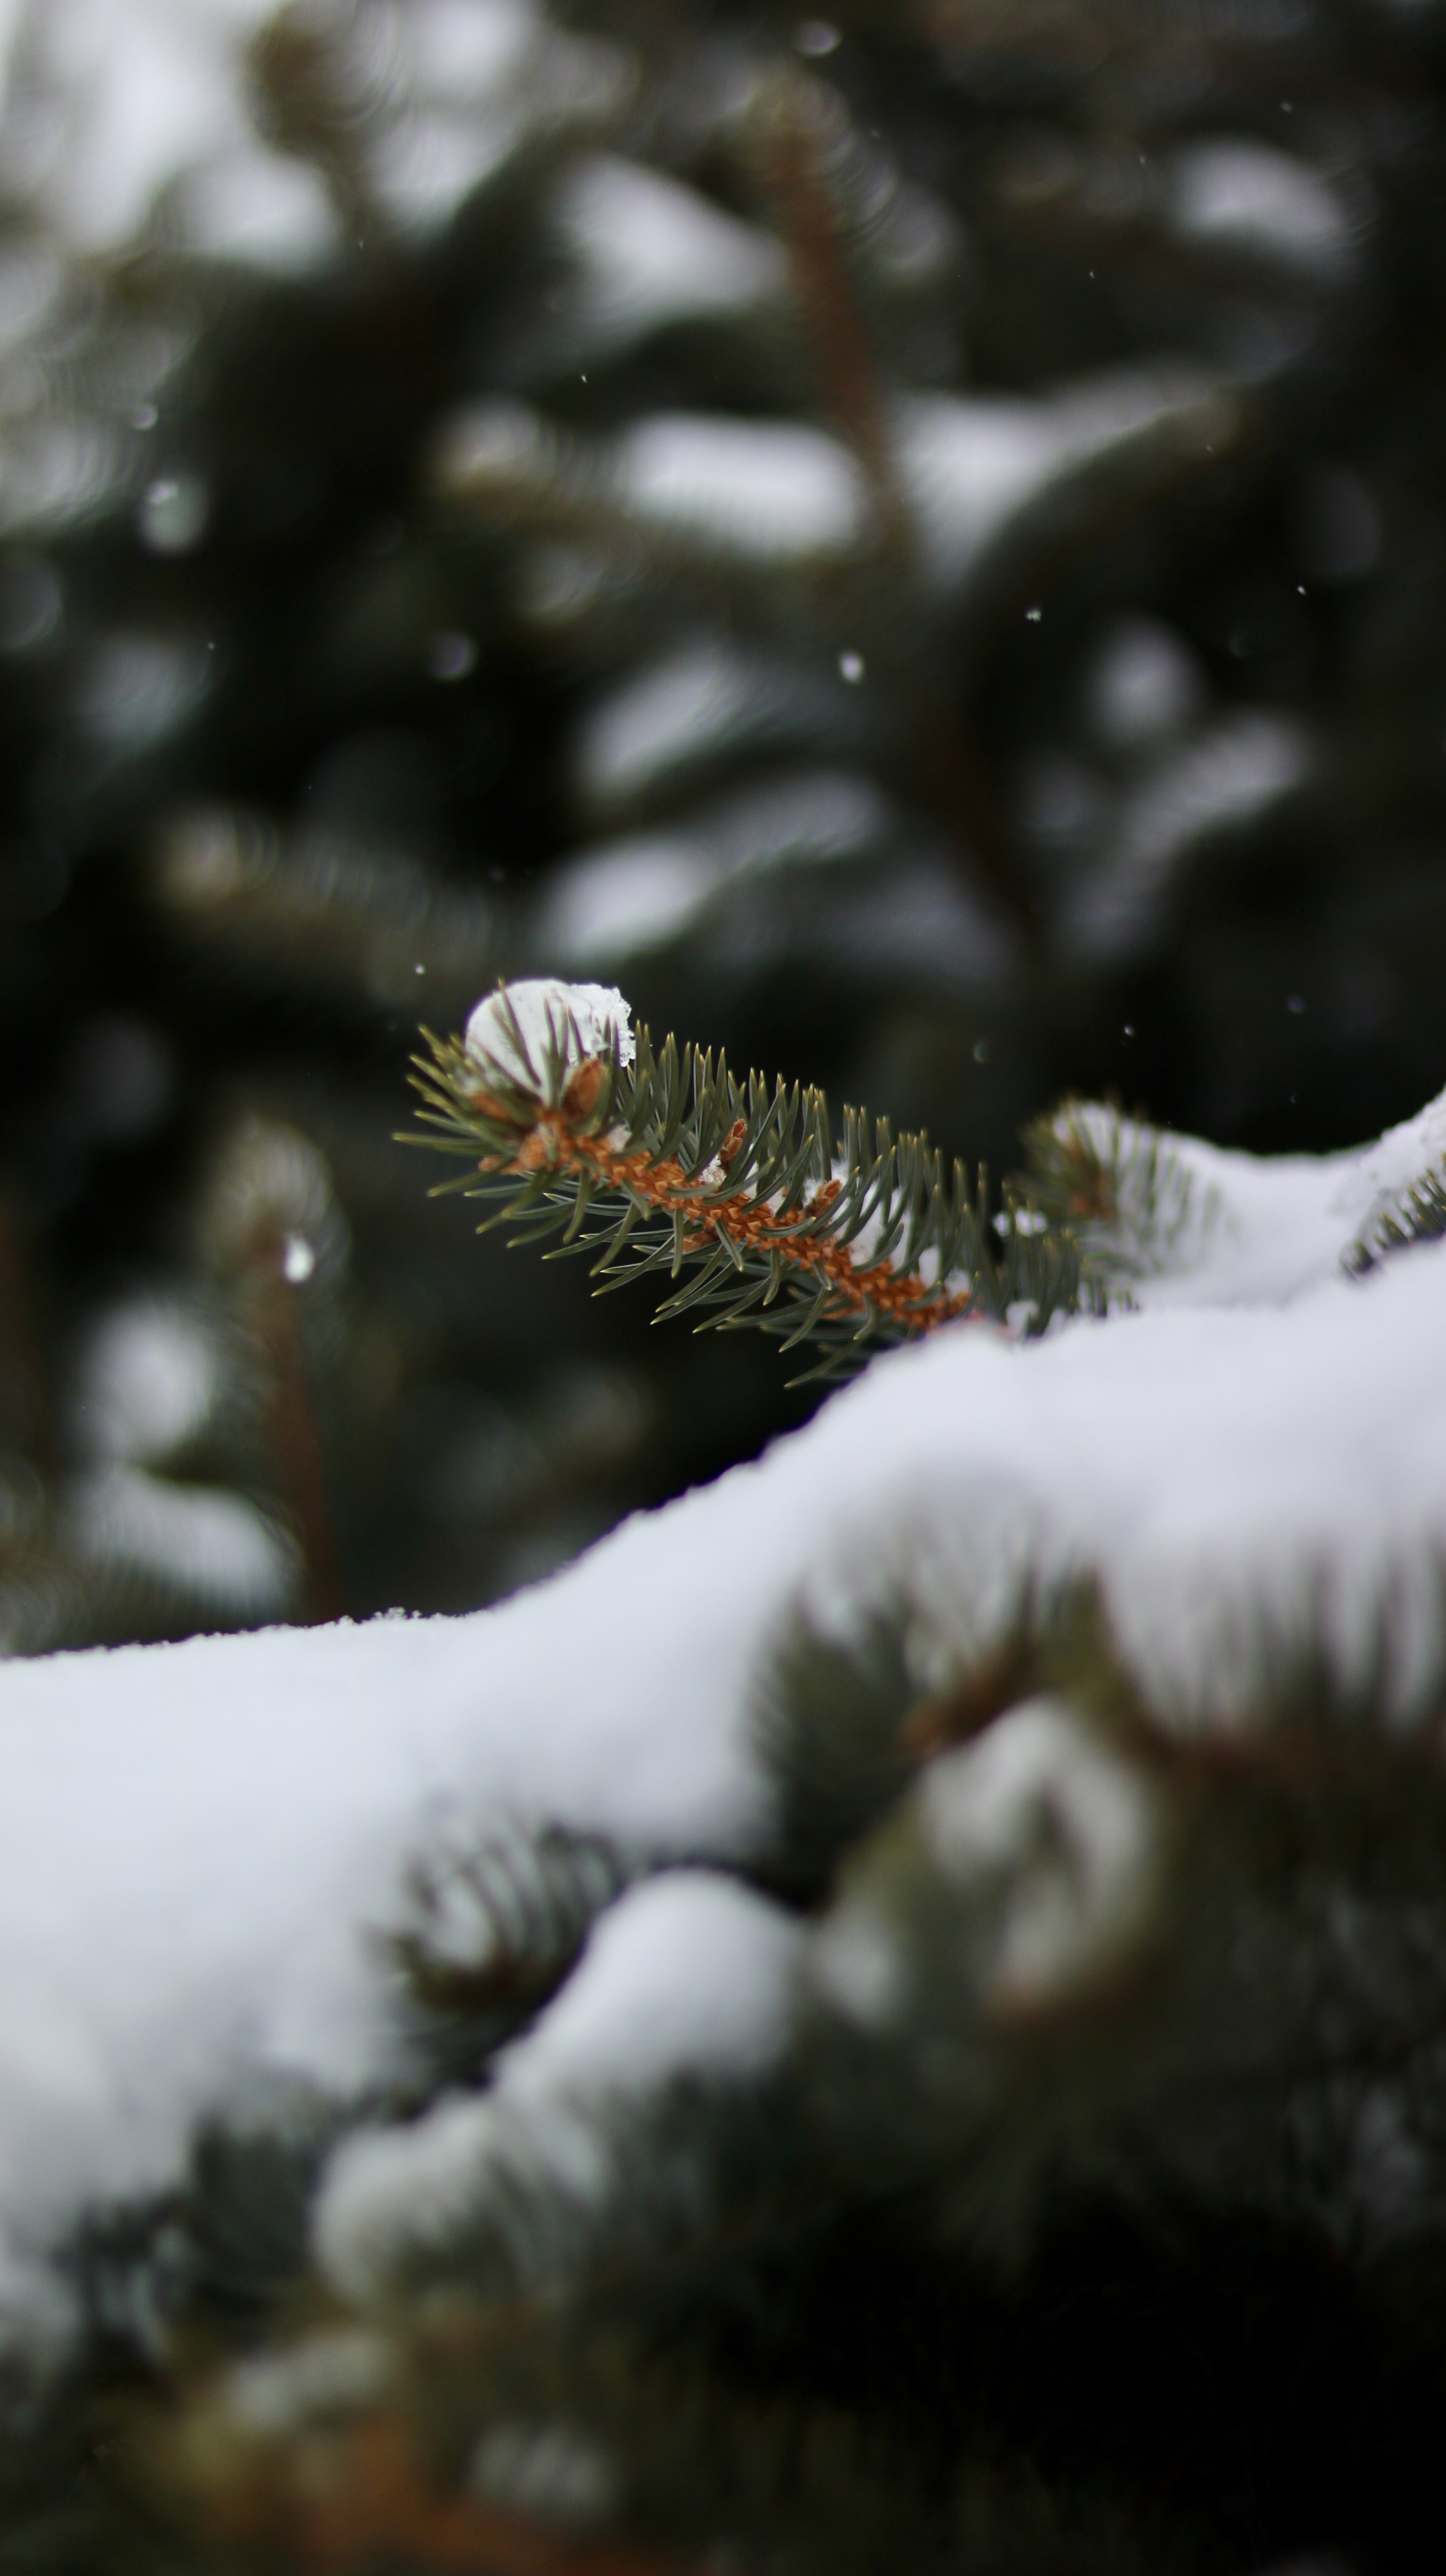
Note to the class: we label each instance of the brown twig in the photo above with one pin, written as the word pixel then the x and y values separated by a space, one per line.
pixel 853 397
pixel 294 1439
pixel 955 778
pixel 963 797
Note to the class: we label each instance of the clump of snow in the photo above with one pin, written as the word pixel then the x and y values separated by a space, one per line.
pixel 54 472
pixel 968 468
pixel 1041 1797
pixel 775 495
pixel 1245 1229
pixel 649 250
pixel 421 168
pixel 1229 193
pixel 495 446
pixel 523 1029
pixel 263 210
pixel 147 1381
pixel 113 112
pixel 464 52
pixel 473 84
pixel 552 2470
pixel 771 492
pixel 705 701
pixel 1142 685
pixel 687 1975
pixel 271 2393
pixel 137 689
pixel 619 901
pixel 109 100
pixel 856 1962
pixel 210 1545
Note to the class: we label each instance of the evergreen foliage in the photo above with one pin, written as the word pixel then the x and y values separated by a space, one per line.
pixel 871 1242
pixel 1117 1188
pixel 1419 1217
pixel 494 1922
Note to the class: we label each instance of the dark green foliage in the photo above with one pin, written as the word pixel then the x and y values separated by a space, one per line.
pixel 1115 1186
pixel 830 1723
pixel 491 1926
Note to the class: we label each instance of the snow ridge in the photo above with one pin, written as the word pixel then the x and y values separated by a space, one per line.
pixel 199 1841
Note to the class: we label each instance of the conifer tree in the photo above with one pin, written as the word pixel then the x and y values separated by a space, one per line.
pixel 914 541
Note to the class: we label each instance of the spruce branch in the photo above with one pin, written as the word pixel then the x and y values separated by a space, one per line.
pixel 662 1161
pixel 491 1923
pixel 1116 1186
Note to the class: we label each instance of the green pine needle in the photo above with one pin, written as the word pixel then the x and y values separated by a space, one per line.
pixel 740 1196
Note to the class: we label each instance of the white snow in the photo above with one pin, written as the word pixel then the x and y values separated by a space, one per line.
pixel 537 1020
pixel 968 467
pixel 473 83
pixel 1142 685
pixel 136 688
pixel 613 903
pixel 146 1381
pixel 556 2471
pixel 648 250
pixel 210 1545
pixel 116 110
pixel 1226 192
pixel 422 168
pixel 54 472
pixel 1040 1800
pixel 465 50
pixel 110 100
pixel 273 2391
pixel 622 897
pixel 198 1842
pixel 771 492
pixel 658 715
pixel 707 697
pixel 1259 1230
pixel 264 210
pixel 786 497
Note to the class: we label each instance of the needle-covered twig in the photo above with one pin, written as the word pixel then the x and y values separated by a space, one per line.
pixel 664 1161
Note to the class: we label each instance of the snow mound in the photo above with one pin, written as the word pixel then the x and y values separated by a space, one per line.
pixel 198 1842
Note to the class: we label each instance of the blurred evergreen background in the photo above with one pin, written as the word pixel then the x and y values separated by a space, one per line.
pixel 913 542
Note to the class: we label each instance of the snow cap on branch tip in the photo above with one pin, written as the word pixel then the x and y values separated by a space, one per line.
pixel 573 1021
